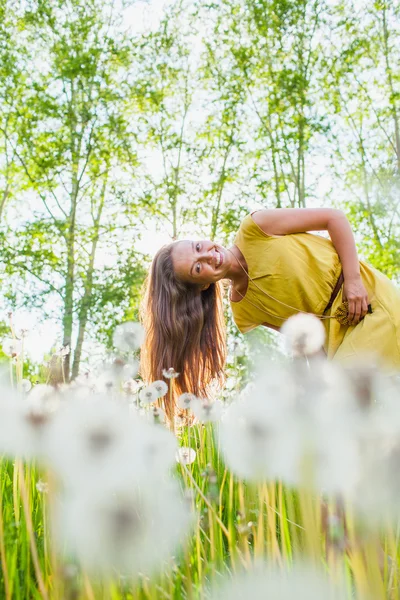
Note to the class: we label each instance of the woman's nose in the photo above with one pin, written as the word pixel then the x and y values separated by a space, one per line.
pixel 208 255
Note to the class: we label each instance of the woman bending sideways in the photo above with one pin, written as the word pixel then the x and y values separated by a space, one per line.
pixel 276 270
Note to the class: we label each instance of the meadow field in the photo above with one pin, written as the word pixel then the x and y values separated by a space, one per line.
pixel 129 124
pixel 290 490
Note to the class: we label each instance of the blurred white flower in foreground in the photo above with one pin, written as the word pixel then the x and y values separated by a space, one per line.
pixel 205 410
pixel 45 397
pixel 185 456
pixel 128 336
pixel 111 375
pixel 260 439
pixel 304 334
pixel 148 394
pixel 186 400
pixel 161 387
pixel 25 385
pixel 133 528
pixel 170 373
pixel 42 487
pixel 155 415
pixel 297 424
pixel 12 347
pixel 131 386
pixel 376 495
pixel 328 418
pixel 98 439
pixel 25 420
pixel 302 582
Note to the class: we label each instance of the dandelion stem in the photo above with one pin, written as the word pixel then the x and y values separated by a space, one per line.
pixel 209 505
pixel 3 551
pixel 31 533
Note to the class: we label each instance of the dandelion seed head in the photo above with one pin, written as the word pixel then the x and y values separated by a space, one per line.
pixel 111 375
pixel 133 528
pixel 205 410
pixel 170 373
pixel 260 439
pixel 304 334
pixel 185 456
pixel 186 400
pixel 42 487
pixel 25 386
pixel 23 425
pixel 148 395
pixel 128 336
pixel 36 417
pixel 99 438
pixel 131 386
pixel 124 521
pixel 156 415
pixel 12 347
pixel 375 495
pixel 302 581
pixel 161 387
pixel 41 403
pixel 44 396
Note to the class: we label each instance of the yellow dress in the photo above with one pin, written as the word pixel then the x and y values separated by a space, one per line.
pixel 301 270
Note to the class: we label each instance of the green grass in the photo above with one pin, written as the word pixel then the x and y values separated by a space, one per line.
pixel 236 523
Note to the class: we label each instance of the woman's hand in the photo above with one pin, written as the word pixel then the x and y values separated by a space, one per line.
pixel 357 297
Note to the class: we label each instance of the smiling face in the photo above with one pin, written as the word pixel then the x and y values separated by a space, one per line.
pixel 200 262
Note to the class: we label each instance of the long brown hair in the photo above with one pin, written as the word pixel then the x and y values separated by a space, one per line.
pixel 185 329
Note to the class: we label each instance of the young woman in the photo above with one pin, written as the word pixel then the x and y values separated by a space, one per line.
pixel 276 270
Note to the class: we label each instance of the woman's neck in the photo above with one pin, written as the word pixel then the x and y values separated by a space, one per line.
pixel 239 269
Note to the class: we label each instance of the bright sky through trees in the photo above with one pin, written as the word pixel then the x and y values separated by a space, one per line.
pixel 146 122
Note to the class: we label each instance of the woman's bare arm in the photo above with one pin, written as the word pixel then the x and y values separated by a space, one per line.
pixel 282 221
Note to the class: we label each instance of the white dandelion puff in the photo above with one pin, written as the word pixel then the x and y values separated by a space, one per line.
pixel 112 375
pixel 24 425
pixel 42 487
pixel 156 415
pixel 161 387
pixel 44 397
pixel 131 386
pixel 186 400
pixel 148 395
pixel 25 386
pixel 98 438
pixel 128 336
pixel 12 347
pixel 133 529
pixel 377 488
pixel 304 334
pixel 205 410
pixel 185 456
pixel 302 581
pixel 260 439
pixel 170 373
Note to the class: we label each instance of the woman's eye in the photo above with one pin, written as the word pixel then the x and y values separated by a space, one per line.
pixel 198 247
pixel 198 268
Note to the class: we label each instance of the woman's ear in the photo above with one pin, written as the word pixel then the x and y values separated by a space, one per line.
pixel 205 287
